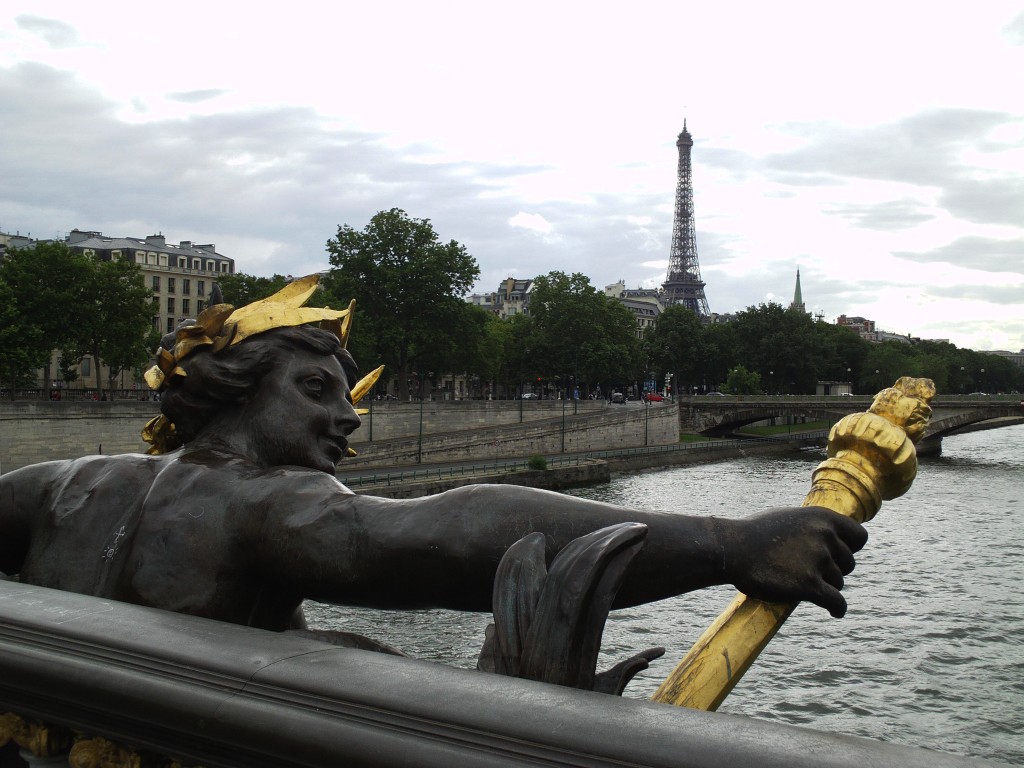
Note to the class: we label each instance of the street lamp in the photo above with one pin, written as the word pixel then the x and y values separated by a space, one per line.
pixel 419 440
pixel 771 381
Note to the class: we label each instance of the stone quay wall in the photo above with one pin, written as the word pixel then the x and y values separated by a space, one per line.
pixel 598 429
pixel 34 431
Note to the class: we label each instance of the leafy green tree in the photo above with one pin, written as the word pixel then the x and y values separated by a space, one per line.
pixel 778 344
pixel 581 336
pixel 884 364
pixel 240 289
pixel 521 362
pixel 718 354
pixel 409 288
pixel 23 345
pixel 677 345
pixel 838 352
pixel 496 354
pixel 43 286
pixel 740 381
pixel 115 318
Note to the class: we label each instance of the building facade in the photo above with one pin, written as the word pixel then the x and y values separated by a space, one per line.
pixel 511 298
pixel 645 303
pixel 181 276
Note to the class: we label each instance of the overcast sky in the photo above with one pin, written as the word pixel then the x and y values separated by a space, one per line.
pixel 877 147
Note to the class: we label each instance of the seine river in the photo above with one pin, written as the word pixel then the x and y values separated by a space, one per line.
pixel 931 651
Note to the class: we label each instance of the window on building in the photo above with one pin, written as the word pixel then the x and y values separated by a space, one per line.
pixel 151 258
pixel 115 255
pixel 156 282
pixel 140 257
pixel 171 285
pixel 170 305
pixel 210 267
pixel 197 263
pixel 185 308
pixel 182 262
pixel 200 287
pixel 186 286
pixel 200 305
pixel 85 367
pixel 156 323
pixel 163 259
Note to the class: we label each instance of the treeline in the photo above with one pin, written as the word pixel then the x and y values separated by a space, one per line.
pixel 412 317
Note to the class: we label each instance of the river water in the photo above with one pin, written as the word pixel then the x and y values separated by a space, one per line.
pixel 931 651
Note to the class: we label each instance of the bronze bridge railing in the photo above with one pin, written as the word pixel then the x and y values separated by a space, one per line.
pixel 165 685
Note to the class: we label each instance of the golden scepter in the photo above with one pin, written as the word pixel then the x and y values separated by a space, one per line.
pixel 871 457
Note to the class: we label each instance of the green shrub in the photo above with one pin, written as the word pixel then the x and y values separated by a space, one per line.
pixel 536 462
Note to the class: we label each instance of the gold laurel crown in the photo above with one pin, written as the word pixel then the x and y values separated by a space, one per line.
pixel 221 326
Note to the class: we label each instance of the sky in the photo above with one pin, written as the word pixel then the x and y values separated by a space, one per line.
pixel 876 147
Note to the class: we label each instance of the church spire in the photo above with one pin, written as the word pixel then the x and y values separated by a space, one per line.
pixel 798 297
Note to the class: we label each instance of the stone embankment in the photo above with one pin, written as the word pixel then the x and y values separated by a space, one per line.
pixel 414 481
pixel 32 431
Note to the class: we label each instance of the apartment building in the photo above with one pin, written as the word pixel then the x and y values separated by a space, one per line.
pixel 181 276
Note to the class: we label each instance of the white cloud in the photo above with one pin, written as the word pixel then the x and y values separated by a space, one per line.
pixel 532 221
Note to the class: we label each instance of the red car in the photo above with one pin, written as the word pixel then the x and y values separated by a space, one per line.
pixel 654 397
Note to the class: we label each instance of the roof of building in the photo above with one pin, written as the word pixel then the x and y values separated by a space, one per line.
pixel 156 244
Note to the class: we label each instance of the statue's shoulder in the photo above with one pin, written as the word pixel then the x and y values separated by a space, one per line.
pixel 286 487
pixel 239 476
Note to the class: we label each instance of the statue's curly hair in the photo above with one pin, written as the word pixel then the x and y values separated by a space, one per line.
pixel 218 379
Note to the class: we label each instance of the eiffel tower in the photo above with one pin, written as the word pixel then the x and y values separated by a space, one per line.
pixel 683 284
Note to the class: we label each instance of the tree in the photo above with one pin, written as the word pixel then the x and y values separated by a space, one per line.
pixel 839 352
pixel 718 355
pixel 676 345
pixel 740 381
pixel 240 289
pixel 409 289
pixel 778 344
pixel 497 353
pixel 42 306
pixel 115 318
pixel 579 335
pixel 23 347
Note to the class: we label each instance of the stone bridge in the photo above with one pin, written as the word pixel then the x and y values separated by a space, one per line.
pixel 721 415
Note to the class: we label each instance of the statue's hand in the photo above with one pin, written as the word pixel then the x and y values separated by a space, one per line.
pixel 793 554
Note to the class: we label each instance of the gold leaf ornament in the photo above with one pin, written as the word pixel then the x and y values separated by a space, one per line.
pixel 221 326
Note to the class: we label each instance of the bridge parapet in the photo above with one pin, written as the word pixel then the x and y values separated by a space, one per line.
pixel 716 415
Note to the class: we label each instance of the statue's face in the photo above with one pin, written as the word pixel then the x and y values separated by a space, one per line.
pixel 302 413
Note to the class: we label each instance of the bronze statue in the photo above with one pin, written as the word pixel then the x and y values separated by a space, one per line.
pixel 246 519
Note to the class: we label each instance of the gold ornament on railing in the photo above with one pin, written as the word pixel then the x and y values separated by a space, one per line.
pixel 871 458
pixel 41 739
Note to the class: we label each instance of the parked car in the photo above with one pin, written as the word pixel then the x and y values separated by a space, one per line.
pixel 619 398
pixel 654 397
pixel 531 396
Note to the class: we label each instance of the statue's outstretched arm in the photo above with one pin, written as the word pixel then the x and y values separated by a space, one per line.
pixel 444 550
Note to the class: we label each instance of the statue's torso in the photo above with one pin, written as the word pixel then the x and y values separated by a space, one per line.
pixel 159 531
